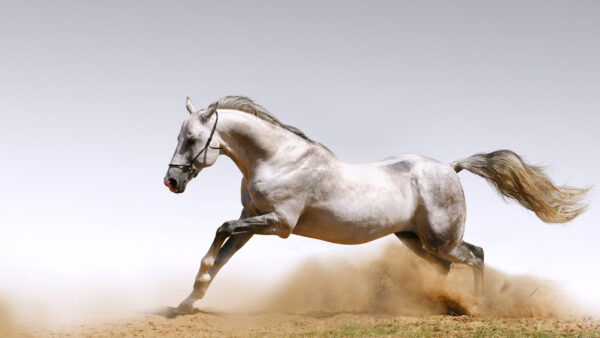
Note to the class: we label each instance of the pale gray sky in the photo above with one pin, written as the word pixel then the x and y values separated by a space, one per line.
pixel 92 96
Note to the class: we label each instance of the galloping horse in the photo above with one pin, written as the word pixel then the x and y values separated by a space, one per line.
pixel 294 185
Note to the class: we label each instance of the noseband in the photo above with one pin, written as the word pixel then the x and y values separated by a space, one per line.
pixel 190 167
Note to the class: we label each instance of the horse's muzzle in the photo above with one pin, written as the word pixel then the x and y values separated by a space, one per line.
pixel 171 183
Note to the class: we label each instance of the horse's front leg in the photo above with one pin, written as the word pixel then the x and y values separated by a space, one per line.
pixel 210 266
pixel 231 246
pixel 237 233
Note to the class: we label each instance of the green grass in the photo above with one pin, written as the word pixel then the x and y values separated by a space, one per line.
pixel 355 331
pixel 437 329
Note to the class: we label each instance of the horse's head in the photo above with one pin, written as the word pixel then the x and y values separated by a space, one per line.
pixel 197 147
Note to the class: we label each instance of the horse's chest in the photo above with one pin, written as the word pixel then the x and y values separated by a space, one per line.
pixel 264 194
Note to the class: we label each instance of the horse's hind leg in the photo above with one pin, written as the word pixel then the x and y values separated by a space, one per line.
pixel 413 242
pixel 441 230
pixel 465 253
pixel 477 253
pixel 440 220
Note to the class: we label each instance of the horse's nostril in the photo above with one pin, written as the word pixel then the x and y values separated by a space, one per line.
pixel 172 183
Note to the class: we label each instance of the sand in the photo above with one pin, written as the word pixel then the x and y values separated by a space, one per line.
pixel 395 293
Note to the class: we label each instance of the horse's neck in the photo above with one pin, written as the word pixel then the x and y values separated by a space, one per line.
pixel 250 141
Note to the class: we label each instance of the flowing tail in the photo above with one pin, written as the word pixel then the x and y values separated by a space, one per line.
pixel 526 184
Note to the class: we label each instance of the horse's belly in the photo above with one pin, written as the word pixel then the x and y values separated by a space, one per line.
pixel 360 210
pixel 351 227
pixel 343 234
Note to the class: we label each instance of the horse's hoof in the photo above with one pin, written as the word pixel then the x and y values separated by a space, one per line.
pixel 184 309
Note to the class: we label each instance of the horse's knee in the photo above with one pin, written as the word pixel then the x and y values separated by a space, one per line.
pixel 225 229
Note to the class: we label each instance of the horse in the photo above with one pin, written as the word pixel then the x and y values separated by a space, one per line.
pixel 294 185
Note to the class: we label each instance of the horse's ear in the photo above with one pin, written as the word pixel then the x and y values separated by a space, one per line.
pixel 189 106
pixel 209 111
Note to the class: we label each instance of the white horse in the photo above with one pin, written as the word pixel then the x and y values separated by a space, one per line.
pixel 293 185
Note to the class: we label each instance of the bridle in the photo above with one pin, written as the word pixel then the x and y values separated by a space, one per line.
pixel 190 167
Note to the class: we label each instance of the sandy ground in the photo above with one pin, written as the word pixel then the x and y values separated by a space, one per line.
pixel 396 293
pixel 324 324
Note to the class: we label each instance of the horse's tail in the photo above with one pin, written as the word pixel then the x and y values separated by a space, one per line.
pixel 527 184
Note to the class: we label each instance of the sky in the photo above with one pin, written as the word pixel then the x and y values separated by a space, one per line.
pixel 92 95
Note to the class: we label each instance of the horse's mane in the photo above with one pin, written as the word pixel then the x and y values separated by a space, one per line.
pixel 248 106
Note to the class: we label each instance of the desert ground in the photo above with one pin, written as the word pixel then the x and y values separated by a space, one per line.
pixel 395 294
pixel 326 324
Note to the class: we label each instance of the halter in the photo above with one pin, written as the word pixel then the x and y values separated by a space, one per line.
pixel 190 167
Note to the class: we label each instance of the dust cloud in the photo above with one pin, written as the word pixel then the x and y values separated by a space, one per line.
pixel 397 282
pixel 391 281
pixel 6 324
